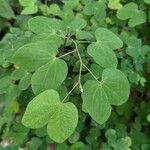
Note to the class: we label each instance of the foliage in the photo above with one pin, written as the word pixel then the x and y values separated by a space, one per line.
pixel 74 74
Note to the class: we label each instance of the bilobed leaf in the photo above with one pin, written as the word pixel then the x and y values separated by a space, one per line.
pixel 114 4
pixel 32 9
pixel 127 11
pixel 40 24
pixel 31 56
pixel 107 38
pixel 46 108
pixel 40 109
pixel 63 122
pixel 102 55
pixel 27 2
pixel 112 89
pixel 139 18
pixel 102 50
pixel 95 101
pixel 49 76
pixel 130 11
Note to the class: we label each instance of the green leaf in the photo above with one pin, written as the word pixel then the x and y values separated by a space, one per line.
pixel 49 76
pixel 112 89
pixel 107 38
pixel 32 56
pixel 102 55
pixel 40 24
pixel 32 9
pixel 63 122
pixel 147 1
pixel 4 84
pixel 95 101
pixel 5 10
pixel 47 108
pixel 139 18
pixel 25 81
pixel 114 4
pixel 40 109
pixel 26 2
pixel 130 11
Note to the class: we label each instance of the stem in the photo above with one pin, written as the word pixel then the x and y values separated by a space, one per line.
pixel 81 64
pixel 66 54
pixel 91 73
pixel 46 11
pixel 70 91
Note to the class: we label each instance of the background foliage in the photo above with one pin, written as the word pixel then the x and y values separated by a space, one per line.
pixel 106 33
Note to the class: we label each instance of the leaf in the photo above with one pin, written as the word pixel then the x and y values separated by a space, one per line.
pixel 5 10
pixel 139 18
pixel 114 4
pixel 95 101
pixel 27 2
pixel 130 11
pixel 29 6
pixel 40 109
pixel 40 24
pixel 147 1
pixel 107 38
pixel 25 81
pixel 4 84
pixel 32 56
pixel 47 108
pixel 102 55
pixel 63 122
pixel 32 9
pixel 102 50
pixel 127 11
pixel 49 76
pixel 78 23
pixel 112 89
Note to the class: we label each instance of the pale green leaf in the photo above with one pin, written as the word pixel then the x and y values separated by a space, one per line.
pixel 27 2
pixel 102 55
pixel 31 56
pixel 114 4
pixel 49 76
pixel 32 9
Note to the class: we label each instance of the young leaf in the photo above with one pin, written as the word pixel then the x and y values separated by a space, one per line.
pixel 49 76
pixel 114 4
pixel 40 24
pixel 31 56
pixel 102 55
pixel 112 89
pixel 46 108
